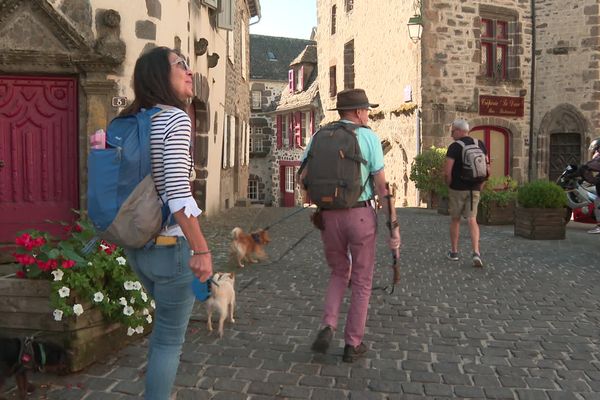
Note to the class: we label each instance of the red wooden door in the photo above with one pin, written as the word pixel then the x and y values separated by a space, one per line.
pixel 39 179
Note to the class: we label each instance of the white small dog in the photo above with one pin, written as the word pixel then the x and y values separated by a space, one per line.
pixel 222 298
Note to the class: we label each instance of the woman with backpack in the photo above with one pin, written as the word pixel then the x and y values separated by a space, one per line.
pixel 168 265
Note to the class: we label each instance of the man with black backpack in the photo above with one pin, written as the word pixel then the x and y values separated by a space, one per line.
pixel 341 171
pixel 465 171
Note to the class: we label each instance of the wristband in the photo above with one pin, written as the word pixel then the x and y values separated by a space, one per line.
pixel 198 253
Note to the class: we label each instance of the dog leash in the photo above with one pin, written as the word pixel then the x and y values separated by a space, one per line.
pixel 286 217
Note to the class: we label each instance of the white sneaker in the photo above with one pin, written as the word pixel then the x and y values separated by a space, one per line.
pixel 595 230
pixel 477 263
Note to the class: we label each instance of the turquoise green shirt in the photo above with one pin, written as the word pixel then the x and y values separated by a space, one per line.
pixel 370 147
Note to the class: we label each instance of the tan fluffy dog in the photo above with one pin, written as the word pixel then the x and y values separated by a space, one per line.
pixel 222 299
pixel 249 247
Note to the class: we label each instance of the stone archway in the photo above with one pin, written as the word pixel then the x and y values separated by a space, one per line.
pixel 561 140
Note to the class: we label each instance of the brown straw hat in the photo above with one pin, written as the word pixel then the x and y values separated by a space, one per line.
pixel 352 99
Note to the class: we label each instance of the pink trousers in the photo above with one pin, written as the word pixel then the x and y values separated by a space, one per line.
pixel 349 244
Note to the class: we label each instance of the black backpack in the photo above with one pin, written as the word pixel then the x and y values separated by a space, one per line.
pixel 333 179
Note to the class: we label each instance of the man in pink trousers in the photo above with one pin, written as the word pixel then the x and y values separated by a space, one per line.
pixel 349 234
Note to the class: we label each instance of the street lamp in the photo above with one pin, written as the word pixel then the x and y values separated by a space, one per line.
pixel 415 27
pixel 415 23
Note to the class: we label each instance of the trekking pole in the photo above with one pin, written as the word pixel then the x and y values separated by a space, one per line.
pixel 395 266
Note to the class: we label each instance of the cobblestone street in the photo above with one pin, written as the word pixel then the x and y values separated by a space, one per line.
pixel 524 327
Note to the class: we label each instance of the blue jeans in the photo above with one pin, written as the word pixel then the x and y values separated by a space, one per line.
pixel 164 272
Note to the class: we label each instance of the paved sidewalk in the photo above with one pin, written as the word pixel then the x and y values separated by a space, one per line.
pixel 524 327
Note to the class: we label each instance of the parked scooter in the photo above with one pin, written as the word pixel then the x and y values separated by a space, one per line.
pixel 580 196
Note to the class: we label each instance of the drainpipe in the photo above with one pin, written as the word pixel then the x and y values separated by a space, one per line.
pixel 530 174
pixel 418 141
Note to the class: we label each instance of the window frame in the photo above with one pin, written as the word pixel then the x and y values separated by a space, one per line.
pixel 332 81
pixel 253 189
pixel 333 19
pixel 490 42
pixel 253 103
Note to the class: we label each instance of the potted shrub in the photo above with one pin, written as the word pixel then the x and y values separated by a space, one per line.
pixel 87 302
pixel 540 211
pixel 497 201
pixel 427 172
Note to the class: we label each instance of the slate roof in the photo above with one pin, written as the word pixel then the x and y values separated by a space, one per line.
pixel 308 55
pixel 284 51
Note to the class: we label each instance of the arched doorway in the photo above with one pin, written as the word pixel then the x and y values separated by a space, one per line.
pixel 565 149
pixel 497 143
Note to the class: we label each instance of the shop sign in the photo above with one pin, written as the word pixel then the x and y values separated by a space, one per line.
pixel 501 106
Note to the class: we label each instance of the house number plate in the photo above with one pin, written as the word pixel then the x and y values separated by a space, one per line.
pixel 119 101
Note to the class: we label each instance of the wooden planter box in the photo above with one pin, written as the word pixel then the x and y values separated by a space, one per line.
pixel 494 214
pixel 540 223
pixel 25 309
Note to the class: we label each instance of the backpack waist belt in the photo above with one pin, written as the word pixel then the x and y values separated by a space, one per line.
pixel 359 204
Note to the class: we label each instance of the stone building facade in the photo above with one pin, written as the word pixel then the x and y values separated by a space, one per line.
pixel 65 71
pixel 528 89
pixel 270 59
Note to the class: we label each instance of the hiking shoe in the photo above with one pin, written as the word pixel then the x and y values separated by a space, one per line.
pixel 595 230
pixel 321 343
pixel 452 256
pixel 351 353
pixel 477 263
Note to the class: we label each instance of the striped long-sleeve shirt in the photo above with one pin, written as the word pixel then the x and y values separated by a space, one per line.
pixel 172 163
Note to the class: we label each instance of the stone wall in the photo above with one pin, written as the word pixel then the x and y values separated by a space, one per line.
pixel 261 164
pixel 567 56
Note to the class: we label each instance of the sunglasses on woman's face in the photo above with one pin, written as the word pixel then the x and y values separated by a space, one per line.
pixel 181 63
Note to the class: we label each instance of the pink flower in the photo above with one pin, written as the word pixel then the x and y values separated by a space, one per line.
pixel 25 240
pixel 37 242
pixel 24 259
pixel 66 264
pixel 20 274
pixel 77 228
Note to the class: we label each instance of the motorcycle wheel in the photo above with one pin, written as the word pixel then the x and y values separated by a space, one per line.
pixel 568 215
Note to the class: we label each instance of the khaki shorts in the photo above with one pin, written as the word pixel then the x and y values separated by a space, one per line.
pixel 460 201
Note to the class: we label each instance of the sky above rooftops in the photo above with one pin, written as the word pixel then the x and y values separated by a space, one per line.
pixel 286 18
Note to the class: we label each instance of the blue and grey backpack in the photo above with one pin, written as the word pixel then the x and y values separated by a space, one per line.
pixel 123 203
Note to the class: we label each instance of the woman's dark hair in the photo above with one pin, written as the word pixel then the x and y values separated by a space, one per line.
pixel 152 83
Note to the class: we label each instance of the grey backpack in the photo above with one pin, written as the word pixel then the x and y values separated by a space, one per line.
pixel 333 178
pixel 474 165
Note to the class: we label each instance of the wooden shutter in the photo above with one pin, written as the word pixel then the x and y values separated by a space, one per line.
pixel 291 130
pixel 301 78
pixel 279 131
pixel 291 80
pixel 226 15
pixel 312 122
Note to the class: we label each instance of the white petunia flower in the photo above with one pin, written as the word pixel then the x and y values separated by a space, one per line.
pixel 78 309
pixel 64 292
pixel 139 329
pixel 152 304
pixel 144 296
pixel 98 297
pixel 58 274
pixel 149 319
pixel 121 260
pixel 137 285
pixel 130 331
pixel 58 314
pixel 123 301
pixel 145 311
pixel 103 246
pixel 132 300
pixel 128 285
pixel 89 264
pixel 128 310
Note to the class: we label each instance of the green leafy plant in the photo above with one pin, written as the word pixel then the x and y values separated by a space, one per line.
pixel 500 190
pixel 427 171
pixel 99 279
pixel 541 194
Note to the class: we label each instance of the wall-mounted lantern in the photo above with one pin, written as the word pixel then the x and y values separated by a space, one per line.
pixel 415 23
